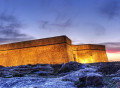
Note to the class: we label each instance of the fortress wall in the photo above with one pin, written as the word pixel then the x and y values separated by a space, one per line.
pixel 55 52
pixel 90 53
pixel 70 52
pixel 69 49
pixel 83 56
pixel 80 47
pixel 39 42
pixel 88 46
pixel 3 58
pixel 99 56
pixel 97 47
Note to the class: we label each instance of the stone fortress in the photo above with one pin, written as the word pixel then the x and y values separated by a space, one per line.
pixel 54 50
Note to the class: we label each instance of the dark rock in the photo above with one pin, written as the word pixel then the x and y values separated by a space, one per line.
pixel 43 73
pixel 6 74
pixel 20 71
pixel 1 66
pixel 24 66
pixel 117 79
pixel 118 72
pixel 83 79
pixel 56 67
pixel 91 79
pixel 109 68
pixel 94 79
pixel 71 66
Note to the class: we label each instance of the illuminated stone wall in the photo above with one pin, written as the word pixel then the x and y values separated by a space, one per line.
pixel 54 50
pixel 89 53
pixel 45 51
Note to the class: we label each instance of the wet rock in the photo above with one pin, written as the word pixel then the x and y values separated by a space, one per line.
pixel 109 68
pixel 42 73
pixel 91 79
pixel 67 75
pixel 115 74
pixel 7 74
pixel 20 71
pixel 34 82
pixel 116 79
pixel 94 79
pixel 71 66
pixel 118 73
pixel 56 67
pixel 75 75
pixel 1 66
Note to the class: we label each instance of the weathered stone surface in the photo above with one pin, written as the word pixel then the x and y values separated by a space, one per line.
pixel 23 70
pixel 34 82
pixel 43 51
pixel 95 53
pixel 75 75
pixel 56 67
pixel 43 76
pixel 71 66
pixel 98 79
pixel 108 68
pixel 54 50
pixel 91 79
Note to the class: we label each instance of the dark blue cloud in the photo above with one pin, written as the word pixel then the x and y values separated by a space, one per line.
pixel 110 9
pixel 10 29
pixel 60 25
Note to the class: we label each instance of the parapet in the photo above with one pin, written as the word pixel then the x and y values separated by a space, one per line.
pixel 88 47
pixel 35 43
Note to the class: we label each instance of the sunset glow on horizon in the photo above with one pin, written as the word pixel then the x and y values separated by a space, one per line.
pixel 113 56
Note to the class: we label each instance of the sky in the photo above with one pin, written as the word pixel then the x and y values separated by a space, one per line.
pixel 83 21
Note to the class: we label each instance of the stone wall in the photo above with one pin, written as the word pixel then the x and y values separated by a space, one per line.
pixel 54 50
pixel 44 51
pixel 90 53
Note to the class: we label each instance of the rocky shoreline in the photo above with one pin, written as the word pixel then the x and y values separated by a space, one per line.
pixel 69 75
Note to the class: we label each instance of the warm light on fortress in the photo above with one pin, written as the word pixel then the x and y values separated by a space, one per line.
pixel 55 50
pixel 84 61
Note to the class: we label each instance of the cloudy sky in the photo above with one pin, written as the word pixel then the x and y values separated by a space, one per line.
pixel 83 21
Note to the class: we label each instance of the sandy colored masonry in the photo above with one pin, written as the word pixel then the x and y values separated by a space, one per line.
pixel 54 50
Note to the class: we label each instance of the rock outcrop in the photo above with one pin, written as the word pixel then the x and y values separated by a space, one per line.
pixel 69 75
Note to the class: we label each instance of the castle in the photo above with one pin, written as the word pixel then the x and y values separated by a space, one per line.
pixel 54 50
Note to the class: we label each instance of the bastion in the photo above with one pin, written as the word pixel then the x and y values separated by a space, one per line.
pixel 53 50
